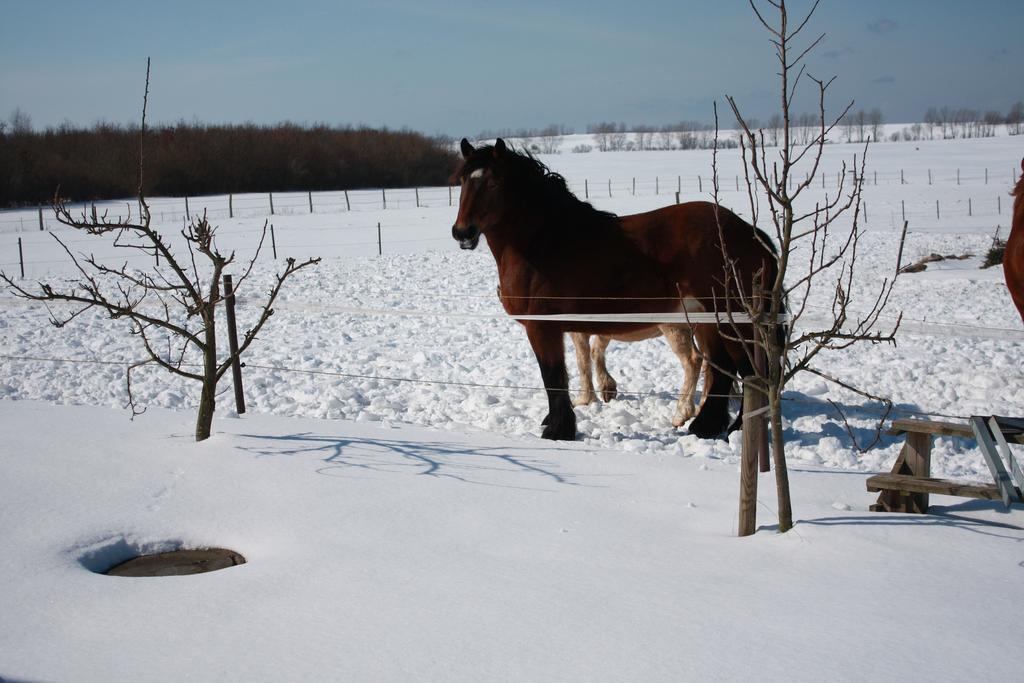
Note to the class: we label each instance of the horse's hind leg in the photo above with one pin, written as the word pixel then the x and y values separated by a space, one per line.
pixel 680 340
pixel 605 382
pixel 549 347
pixel 713 417
pixel 581 343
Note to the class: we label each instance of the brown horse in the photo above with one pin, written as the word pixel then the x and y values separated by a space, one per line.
pixel 1013 258
pixel 558 255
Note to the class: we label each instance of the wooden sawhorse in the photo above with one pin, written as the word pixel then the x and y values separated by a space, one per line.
pixel 907 487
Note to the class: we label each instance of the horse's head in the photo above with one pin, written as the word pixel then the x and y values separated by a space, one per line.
pixel 479 204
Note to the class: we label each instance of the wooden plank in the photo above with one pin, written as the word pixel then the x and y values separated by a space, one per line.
pixel 918 457
pixel 910 484
pixel 904 426
pixel 1008 493
pixel 1011 462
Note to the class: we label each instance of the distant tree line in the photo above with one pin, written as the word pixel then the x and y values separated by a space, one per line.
pixel 192 159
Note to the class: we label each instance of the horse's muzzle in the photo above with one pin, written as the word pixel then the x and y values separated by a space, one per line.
pixel 467 237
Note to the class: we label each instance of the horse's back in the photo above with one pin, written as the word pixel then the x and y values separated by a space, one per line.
pixel 686 238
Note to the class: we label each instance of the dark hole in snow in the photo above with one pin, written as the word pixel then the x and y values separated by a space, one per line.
pixel 177 563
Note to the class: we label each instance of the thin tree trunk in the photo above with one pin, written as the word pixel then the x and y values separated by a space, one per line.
pixel 208 397
pixel 779 457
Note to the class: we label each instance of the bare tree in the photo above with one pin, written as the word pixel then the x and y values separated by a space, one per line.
pixel 1015 119
pixel 778 345
pixel 170 308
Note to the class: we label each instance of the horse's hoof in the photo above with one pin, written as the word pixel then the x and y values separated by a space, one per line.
pixel 560 429
pixel 707 429
pixel 584 400
pixel 679 419
pixel 609 392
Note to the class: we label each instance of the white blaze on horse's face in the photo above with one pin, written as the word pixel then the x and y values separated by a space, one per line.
pixel 478 173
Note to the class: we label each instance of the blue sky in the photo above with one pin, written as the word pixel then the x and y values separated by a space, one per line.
pixel 459 67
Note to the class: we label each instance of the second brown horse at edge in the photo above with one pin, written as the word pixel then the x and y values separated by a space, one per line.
pixel 556 254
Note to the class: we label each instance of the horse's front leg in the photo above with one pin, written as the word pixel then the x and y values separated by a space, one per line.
pixel 680 340
pixel 548 346
pixel 581 343
pixel 605 382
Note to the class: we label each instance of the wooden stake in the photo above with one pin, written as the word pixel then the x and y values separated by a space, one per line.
pixel 748 464
pixel 586 189
pixel 187 212
pixel 384 197
pixel 273 242
pixel 417 197
pixel 41 219
pixel 231 206
pixel 348 207
pixel 271 203
pixel 380 248
pixel 236 363
pixel 310 194
pixel 21 259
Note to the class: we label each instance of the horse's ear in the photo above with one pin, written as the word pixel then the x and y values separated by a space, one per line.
pixel 467 148
pixel 499 147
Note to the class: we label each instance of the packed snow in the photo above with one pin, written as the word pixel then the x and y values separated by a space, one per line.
pixel 505 557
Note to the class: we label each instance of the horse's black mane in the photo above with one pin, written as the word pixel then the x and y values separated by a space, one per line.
pixel 547 190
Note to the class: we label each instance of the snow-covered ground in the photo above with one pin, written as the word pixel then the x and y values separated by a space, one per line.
pixel 610 558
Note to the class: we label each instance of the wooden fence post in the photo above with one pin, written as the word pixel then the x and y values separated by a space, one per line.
pixel 937 217
pixel 986 176
pixel 902 181
pixel 999 204
pixel 609 187
pixel 586 189
pixel 21 259
pixel 380 246
pixel 657 187
pixel 677 197
pixel 958 176
pixel 384 196
pixel 348 207
pixel 236 362
pixel 41 219
pixel 187 212
pixel 903 209
pixel 310 194
pixel 273 242
pixel 929 176
pixel 865 212
pixel 969 210
pixel 271 203
pixel 417 197
pixel 634 186
pixel 748 463
pixel 700 185
pixel 231 206
pixel 449 195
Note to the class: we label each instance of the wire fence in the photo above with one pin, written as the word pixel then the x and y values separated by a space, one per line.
pixel 918 327
pixel 664 395
pixel 270 204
